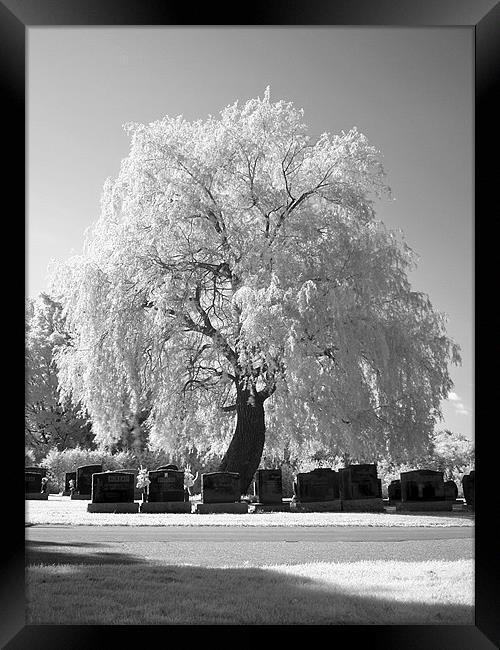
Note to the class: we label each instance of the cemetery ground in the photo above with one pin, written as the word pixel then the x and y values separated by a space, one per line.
pixel 269 568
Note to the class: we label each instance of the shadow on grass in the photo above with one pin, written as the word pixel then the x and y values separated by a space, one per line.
pixel 40 552
pixel 156 594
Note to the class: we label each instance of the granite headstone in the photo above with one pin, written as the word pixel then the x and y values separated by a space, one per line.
pixel 112 487
pixel 394 490
pixel 84 478
pixel 422 485
pixel 32 482
pixel 268 486
pixel 450 491
pixel 321 484
pixel 220 487
pixel 166 485
pixel 360 482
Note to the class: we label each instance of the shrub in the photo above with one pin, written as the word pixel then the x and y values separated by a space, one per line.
pixel 60 462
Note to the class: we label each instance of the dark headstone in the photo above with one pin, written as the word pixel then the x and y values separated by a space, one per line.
pixel 450 491
pixel 394 490
pixel 32 482
pixel 268 486
pixel 168 467
pixel 468 486
pixel 37 470
pixel 220 487
pixel 69 476
pixel 166 485
pixel 112 487
pixel 360 482
pixel 84 478
pixel 422 485
pixel 321 484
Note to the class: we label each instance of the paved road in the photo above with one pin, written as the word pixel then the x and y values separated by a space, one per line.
pixel 238 546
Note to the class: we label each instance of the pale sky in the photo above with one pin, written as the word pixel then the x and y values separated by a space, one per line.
pixel 409 90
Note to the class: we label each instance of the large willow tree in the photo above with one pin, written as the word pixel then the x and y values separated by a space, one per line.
pixel 238 288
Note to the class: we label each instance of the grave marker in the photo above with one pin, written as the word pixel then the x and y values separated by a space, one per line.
pixel 166 485
pixel 113 492
pixel 268 488
pixel 317 490
pixel 360 489
pixel 83 488
pixel 450 491
pixel 422 485
pixel 166 492
pixel 220 487
pixel 424 490
pixel 112 487
pixel 220 492
pixel 394 490
pixel 360 482
pixel 321 484
pixel 33 486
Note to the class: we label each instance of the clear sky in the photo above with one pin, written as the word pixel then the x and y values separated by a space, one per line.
pixel 409 90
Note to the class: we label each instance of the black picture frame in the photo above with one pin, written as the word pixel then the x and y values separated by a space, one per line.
pixel 483 17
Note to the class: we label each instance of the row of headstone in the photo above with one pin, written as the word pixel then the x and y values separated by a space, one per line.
pixel 116 491
pixel 352 488
pixel 357 488
pixel 426 489
pixel 78 484
pixel 220 491
pixel 113 491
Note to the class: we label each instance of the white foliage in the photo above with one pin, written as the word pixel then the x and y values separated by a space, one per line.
pixel 239 248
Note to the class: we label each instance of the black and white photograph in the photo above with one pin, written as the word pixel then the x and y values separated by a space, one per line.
pixel 249 325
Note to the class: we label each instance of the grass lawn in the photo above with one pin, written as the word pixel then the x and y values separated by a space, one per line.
pixel 58 510
pixel 168 591
pixel 375 592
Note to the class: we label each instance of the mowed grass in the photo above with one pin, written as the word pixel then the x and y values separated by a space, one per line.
pixel 376 592
pixel 62 511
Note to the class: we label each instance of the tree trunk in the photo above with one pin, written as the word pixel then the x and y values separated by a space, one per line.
pixel 245 450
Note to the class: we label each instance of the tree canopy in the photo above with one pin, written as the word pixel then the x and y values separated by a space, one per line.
pixel 239 259
pixel 453 453
pixel 49 422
